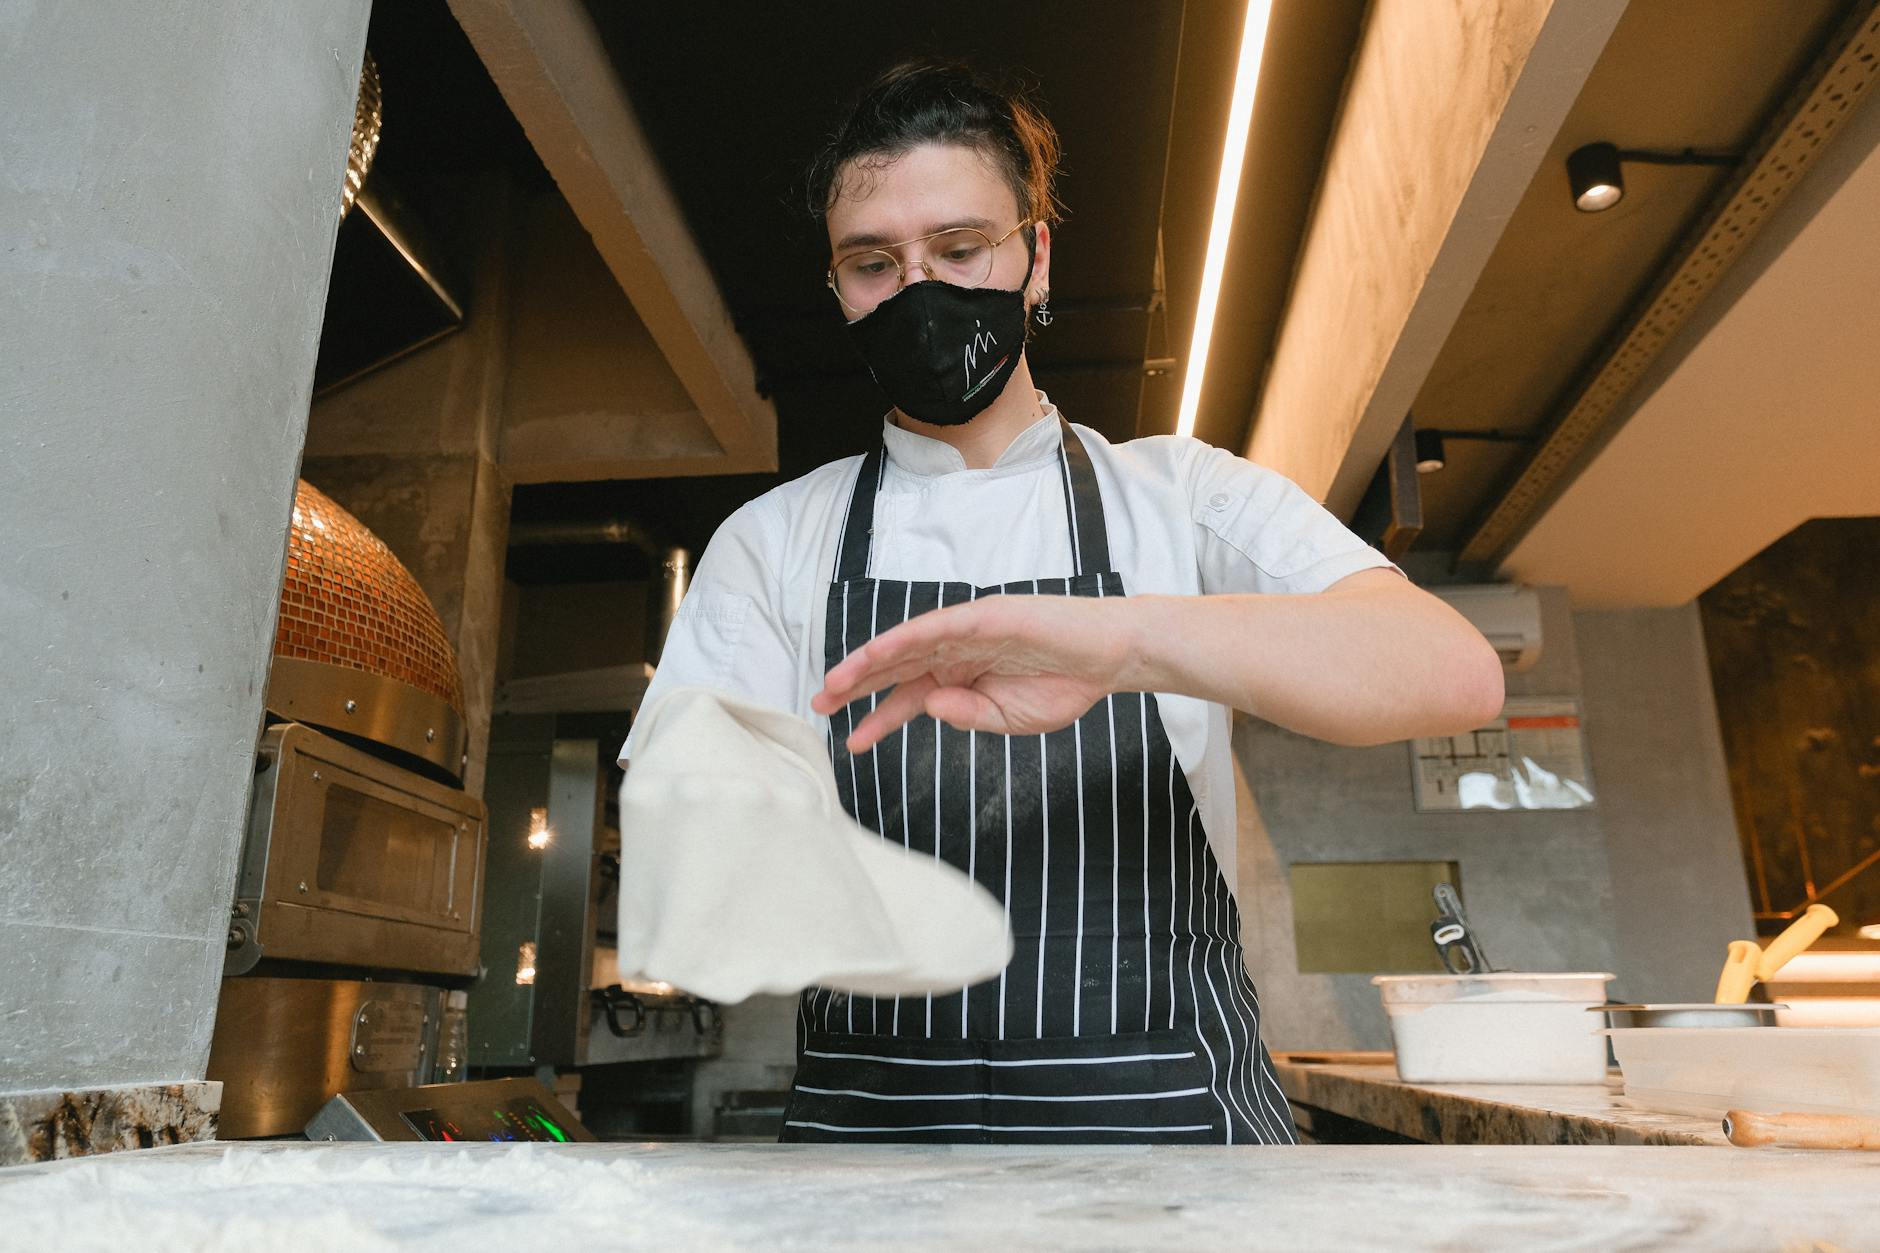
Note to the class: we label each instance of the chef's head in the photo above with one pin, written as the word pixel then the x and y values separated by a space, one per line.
pixel 936 189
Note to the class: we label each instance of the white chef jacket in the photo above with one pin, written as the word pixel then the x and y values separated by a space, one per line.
pixel 1184 518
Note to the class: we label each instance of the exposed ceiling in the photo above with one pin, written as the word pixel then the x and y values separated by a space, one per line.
pixel 1309 45
pixel 1672 76
pixel 1762 416
pixel 734 98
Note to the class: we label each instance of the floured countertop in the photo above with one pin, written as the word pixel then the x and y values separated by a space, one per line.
pixel 271 1198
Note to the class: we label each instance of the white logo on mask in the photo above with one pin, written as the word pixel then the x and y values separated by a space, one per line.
pixel 981 341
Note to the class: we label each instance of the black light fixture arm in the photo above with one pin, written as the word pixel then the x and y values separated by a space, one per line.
pixel 1684 156
pixel 1429 441
pixel 1497 437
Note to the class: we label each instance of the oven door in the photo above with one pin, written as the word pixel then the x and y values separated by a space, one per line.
pixel 352 860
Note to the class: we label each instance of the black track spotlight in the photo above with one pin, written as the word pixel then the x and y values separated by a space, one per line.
pixel 1598 182
pixel 1430 441
pixel 1594 170
pixel 1429 451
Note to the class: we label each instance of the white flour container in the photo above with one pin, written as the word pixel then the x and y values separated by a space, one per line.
pixel 1497 1028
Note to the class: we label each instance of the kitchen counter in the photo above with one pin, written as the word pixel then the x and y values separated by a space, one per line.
pixel 1362 1091
pixel 460 1196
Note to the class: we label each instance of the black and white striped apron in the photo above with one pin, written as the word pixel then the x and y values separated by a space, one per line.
pixel 1126 1014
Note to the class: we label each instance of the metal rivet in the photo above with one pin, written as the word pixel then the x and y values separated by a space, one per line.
pixel 303 885
pixel 234 937
pixel 430 734
pixel 359 1050
pixel 316 776
pixel 241 909
pixel 352 706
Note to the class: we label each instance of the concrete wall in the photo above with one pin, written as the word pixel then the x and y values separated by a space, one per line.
pixel 169 191
pixel 1647 884
pixel 1680 890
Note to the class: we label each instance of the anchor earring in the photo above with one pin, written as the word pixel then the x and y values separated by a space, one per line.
pixel 1042 311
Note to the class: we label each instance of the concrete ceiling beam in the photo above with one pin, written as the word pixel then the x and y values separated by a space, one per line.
pixel 1449 109
pixel 548 61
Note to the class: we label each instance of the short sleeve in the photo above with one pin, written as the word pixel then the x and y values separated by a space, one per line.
pixel 1258 531
pixel 728 632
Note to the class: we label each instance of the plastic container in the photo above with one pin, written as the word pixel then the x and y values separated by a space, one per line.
pixel 1513 1027
pixel 1773 1070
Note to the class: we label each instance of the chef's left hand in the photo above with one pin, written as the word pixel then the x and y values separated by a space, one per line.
pixel 1016 665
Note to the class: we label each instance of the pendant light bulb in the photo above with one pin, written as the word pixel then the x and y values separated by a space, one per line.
pixel 1429 448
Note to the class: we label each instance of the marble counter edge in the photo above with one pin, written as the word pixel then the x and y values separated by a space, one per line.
pixel 1503 1114
pixel 59 1123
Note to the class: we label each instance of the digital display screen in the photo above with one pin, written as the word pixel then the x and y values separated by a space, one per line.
pixel 520 1119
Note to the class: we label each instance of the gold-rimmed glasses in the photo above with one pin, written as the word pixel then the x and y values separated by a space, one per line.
pixel 960 255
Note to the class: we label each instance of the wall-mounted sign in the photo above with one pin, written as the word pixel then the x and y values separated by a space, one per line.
pixel 1532 757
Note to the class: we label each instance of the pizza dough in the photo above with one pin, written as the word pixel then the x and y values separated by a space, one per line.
pixel 741 873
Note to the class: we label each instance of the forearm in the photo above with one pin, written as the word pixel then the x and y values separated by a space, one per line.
pixel 1365 663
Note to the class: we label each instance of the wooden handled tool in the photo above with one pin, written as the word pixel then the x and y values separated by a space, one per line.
pixel 1801 933
pixel 1748 1129
pixel 1748 963
pixel 1739 972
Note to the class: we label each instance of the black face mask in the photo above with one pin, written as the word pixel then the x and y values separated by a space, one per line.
pixel 944 353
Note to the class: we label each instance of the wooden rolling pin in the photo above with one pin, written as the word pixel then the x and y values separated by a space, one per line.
pixel 1750 1130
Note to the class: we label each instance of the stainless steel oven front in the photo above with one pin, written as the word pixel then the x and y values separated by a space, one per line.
pixel 352 860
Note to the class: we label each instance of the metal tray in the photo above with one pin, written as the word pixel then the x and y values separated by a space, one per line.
pixel 1688 1015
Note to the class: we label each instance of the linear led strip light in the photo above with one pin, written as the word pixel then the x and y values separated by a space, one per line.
pixel 1233 155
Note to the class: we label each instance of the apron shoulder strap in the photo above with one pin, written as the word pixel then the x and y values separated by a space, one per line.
pixel 859 525
pixel 1083 504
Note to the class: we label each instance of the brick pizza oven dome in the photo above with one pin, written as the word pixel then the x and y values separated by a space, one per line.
pixel 359 646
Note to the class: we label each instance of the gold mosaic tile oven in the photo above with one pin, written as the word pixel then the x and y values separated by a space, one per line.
pixel 359 648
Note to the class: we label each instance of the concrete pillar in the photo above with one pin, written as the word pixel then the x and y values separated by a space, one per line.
pixel 169 192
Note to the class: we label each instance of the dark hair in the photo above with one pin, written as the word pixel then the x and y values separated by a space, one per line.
pixel 932 101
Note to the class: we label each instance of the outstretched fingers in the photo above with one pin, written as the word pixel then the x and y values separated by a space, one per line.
pixel 896 655
pixel 902 705
pixel 874 680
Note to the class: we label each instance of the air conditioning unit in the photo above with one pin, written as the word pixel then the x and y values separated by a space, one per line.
pixel 1507 613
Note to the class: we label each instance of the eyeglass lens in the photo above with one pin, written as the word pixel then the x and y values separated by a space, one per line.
pixel 962 257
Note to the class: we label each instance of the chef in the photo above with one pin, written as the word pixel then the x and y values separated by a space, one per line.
pixel 1024 642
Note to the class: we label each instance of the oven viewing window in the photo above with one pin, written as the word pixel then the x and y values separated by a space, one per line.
pixel 385 854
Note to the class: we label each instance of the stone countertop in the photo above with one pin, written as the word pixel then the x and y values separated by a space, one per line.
pixel 1369 1091
pixel 563 1197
